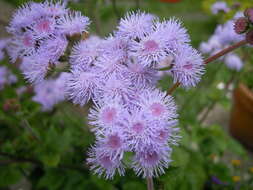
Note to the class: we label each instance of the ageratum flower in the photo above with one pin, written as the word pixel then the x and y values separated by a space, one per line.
pixel 82 85
pixel 162 42
pixel 233 62
pixel 151 161
pixel 50 92
pixel 40 29
pixel 157 104
pixel 103 165
pixel 188 67
pixel 135 25
pixel 219 6
pixel 85 52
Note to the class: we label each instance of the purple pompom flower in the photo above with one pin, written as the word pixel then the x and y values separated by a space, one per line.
pixel 72 24
pixel 135 25
pixel 85 52
pixel 35 68
pixel 82 85
pixel 188 67
pixel 49 92
pixel 106 114
pixel 158 105
pixel 103 165
pixel 141 76
pixel 151 161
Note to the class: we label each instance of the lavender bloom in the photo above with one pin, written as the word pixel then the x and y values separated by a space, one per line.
pixel 157 104
pixel 106 114
pixel 40 30
pixel 151 161
pixel 219 6
pixel 141 76
pixel 188 68
pixel 73 24
pixel 6 77
pixel 233 62
pixel 50 92
pixel 164 41
pixel 85 52
pixel 35 68
pixel 135 25
pixel 103 165
pixel 82 86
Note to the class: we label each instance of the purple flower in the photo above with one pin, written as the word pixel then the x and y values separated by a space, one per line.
pixel 103 165
pixel 233 62
pixel 158 105
pixel 188 67
pixel 135 25
pixel 151 161
pixel 85 52
pixel 106 114
pixel 74 23
pixel 50 92
pixel 82 86
pixel 35 68
pixel 3 44
pixel 116 86
pixel 162 42
pixel 219 6
pixel 141 76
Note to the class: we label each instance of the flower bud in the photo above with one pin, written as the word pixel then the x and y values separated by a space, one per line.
pixel 249 37
pixel 249 14
pixel 241 25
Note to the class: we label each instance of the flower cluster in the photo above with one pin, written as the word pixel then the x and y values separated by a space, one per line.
pixel 3 44
pixel 6 77
pixel 40 32
pixel 119 74
pixel 224 36
pixel 50 92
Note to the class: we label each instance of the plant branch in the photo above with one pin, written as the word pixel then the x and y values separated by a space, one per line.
pixel 150 183
pixel 211 59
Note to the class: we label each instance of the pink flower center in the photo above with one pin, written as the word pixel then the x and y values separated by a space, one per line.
pixel 106 162
pixel 151 45
pixel 162 136
pixel 157 109
pixel 43 26
pixel 188 66
pixel 109 115
pixel 138 127
pixel 114 142
pixel 27 41
pixel 151 158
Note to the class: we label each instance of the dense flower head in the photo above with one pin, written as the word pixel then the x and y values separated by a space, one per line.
pixel 118 74
pixel 50 92
pixel 40 29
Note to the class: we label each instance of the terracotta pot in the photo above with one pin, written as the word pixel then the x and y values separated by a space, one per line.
pixel 241 122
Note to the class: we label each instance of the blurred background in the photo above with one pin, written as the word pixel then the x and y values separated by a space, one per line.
pixel 46 150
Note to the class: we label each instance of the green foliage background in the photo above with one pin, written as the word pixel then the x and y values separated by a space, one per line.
pixel 49 149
